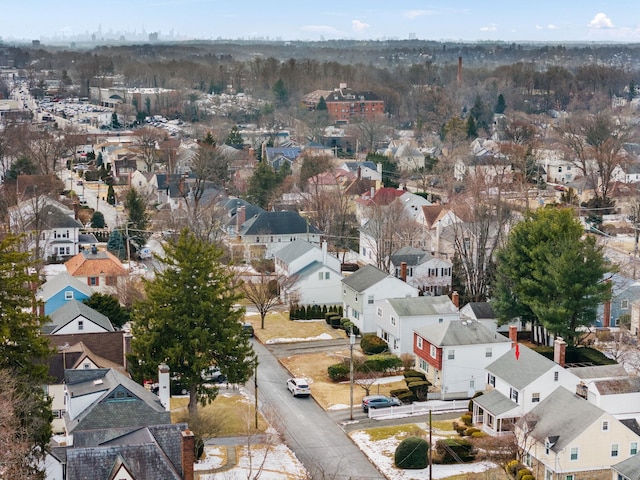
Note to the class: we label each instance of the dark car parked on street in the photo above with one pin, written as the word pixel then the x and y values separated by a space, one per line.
pixel 379 401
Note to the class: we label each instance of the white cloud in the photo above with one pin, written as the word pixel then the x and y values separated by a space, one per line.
pixel 491 28
pixel 600 21
pixel 358 26
pixel 551 26
pixel 411 14
pixel 539 27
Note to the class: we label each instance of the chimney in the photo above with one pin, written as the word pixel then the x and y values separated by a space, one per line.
pixel 164 390
pixel 324 252
pixel 403 271
pixel 606 320
pixel 359 172
pixel 455 298
pixel 241 217
pixel 513 335
pixel 559 351
pixel 459 69
pixel 372 192
pixel 379 168
pixel 188 454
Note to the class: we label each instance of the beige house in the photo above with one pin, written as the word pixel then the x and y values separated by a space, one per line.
pixel 565 437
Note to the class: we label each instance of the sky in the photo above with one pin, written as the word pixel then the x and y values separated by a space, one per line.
pixel 452 20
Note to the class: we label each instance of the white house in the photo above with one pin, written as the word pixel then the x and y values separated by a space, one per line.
pixel 422 270
pixel 517 382
pixel 483 313
pixel 397 318
pixel 362 288
pixel 310 275
pixel 453 355
pixel 76 317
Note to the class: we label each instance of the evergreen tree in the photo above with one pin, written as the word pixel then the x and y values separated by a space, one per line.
pixel 501 105
pixel 234 139
pixel 110 307
pixel 137 217
pixel 97 220
pixel 115 123
pixel 111 195
pixel 190 320
pixel 472 128
pixel 24 350
pixel 99 160
pixel 480 113
pixel 280 93
pixel 549 272
pixel 116 245
pixel 22 166
pixel 322 105
pixel 262 184
pixel 632 90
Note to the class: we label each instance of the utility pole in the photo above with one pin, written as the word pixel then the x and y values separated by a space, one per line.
pixel 255 384
pixel 352 341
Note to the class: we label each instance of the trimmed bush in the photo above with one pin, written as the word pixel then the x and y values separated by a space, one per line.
pixel 478 435
pixel 335 322
pixel 404 395
pixel 450 449
pixel 523 472
pixel 414 373
pixel 412 453
pixel 381 363
pixel 470 431
pixel 338 372
pixel 459 427
pixel 528 477
pixel 467 419
pixel 513 467
pixel 371 344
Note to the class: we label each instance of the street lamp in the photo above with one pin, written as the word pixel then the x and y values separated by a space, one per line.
pixel 352 341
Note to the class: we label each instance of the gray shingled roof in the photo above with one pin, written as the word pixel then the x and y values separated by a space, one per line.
pixel 563 415
pixel 365 277
pixel 495 403
pixel 411 256
pixel 143 408
pixel 460 332
pixel 59 283
pixel 599 372
pixel 616 386
pixel 522 371
pixel 51 217
pixel 277 223
pixel 482 310
pixel 630 468
pixel 294 250
pixel 418 306
pixel 72 310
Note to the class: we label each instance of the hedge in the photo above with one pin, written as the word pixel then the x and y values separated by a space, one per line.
pixel 412 453
pixel 451 449
pixel 371 344
pixel 381 363
pixel 339 372
pixel 414 373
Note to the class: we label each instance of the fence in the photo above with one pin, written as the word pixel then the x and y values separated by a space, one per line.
pixel 419 408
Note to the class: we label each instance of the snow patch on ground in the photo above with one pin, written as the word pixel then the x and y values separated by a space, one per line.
pixel 324 336
pixel 381 454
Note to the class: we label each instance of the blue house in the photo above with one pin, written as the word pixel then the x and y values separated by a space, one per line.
pixel 60 290
pixel 624 291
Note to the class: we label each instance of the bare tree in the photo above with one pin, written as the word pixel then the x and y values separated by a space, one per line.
pixel 46 149
pixel 147 144
pixel 262 290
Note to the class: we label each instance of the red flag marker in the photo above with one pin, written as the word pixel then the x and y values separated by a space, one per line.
pixel 517 351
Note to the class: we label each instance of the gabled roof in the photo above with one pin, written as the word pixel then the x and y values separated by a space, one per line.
pixel 365 277
pixel 353 166
pixel 482 310
pixel 421 306
pixel 433 213
pixel 73 356
pixel 108 345
pixel 522 371
pixel 563 415
pixel 51 217
pixel 143 407
pixel 60 282
pixel 383 196
pixel 614 386
pixel 86 264
pixel 277 223
pixel 495 402
pixel 290 153
pixel 312 268
pixel 411 256
pixel 72 310
pixel 294 250
pixel 600 372
pixel 630 467
pixel 460 332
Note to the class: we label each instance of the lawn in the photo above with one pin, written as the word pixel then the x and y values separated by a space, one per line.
pixel 277 326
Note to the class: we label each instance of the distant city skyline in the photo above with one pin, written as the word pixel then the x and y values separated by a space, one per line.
pixel 455 20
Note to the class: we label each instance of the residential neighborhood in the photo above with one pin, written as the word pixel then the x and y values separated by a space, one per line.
pixel 188 232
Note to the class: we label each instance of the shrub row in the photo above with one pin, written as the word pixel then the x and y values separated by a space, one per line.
pixel 376 363
pixel 372 344
pixel 413 453
pixel 519 471
pixel 313 312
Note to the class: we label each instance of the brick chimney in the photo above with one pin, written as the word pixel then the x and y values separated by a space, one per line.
pixel 241 217
pixel 459 69
pixel 513 335
pixel 455 298
pixel 403 271
pixel 606 319
pixel 559 351
pixel 188 454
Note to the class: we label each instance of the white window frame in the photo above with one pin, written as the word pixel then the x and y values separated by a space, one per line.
pixel 433 352
pixel 605 425
pixel 574 454
pixel 451 354
pixel 68 295
pixel 615 450
pixel 394 321
pixel 488 353
pixel 535 397
pixel 419 342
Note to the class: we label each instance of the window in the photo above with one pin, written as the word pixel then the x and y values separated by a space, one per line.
pixel 634 448
pixel 514 395
pixel 535 397
pixel 385 336
pixel 605 425
pixel 451 355
pixel 555 376
pixel 379 312
pixel 424 366
pixel 80 324
pixel 432 351
pixel 370 300
pixel 614 450
pixel 574 453
pixel 441 320
pixel 568 477
pixel 491 380
pixel 547 446
pixel 419 342
pixel 488 352
pixel 92 281
pixel 320 276
pixel 394 321
pixel 327 275
pixel 68 295
pixel 86 366
pixel 625 304
pixel 472 383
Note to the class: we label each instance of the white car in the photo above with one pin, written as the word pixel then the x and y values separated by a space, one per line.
pixel 298 387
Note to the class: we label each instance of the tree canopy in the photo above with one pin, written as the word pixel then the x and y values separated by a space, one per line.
pixel 137 217
pixel 109 306
pixel 23 352
pixel 190 321
pixel 549 273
